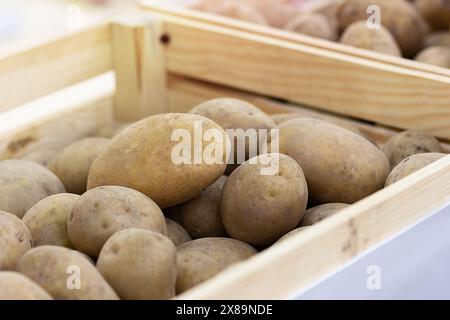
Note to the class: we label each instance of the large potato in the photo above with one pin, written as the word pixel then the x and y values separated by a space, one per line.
pixel 176 232
pixel 399 17
pixel 339 165
pixel 314 25
pixel 412 164
pixel 259 208
pixel 15 286
pixel 202 259
pixel 15 240
pixel 321 212
pixel 201 215
pixel 147 157
pixel 47 220
pixel 236 114
pixel 65 274
pixel 407 143
pixel 436 12
pixel 437 56
pixel 23 183
pixel 380 40
pixel 72 164
pixel 101 212
pixel 139 264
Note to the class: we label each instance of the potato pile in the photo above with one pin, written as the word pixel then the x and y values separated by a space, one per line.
pixel 416 29
pixel 161 207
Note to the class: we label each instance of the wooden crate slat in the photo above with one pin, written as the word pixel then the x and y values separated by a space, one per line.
pixel 139 64
pixel 49 67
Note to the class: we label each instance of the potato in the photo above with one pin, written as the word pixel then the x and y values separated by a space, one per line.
pixel 277 13
pixel 202 259
pixel 279 118
pixel 437 39
pixel 15 240
pixel 47 220
pixel 436 12
pixel 15 286
pixel 232 113
pixel 139 264
pixel 23 183
pixel 65 274
pixel 321 212
pixel 314 25
pixel 438 56
pixel 72 164
pixel 399 17
pixel 42 157
pixel 201 216
pixel 339 165
pixel 412 164
pixel 122 127
pixel 146 157
pixel 101 212
pixel 291 234
pixel 407 143
pixel 259 208
pixel 380 40
pixel 176 233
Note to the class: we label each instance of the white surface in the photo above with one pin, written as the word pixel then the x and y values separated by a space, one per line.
pixel 413 265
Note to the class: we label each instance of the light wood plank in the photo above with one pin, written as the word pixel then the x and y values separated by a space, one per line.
pixel 185 93
pixel 305 258
pixel 49 67
pixel 359 88
pixel 162 7
pixel 58 119
pixel 139 63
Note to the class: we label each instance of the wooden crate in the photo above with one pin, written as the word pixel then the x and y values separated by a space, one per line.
pixel 144 64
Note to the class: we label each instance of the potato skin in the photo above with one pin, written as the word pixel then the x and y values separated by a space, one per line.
pixel 339 165
pixel 47 220
pixel 407 143
pixel 412 164
pixel 232 113
pixel 51 268
pixel 15 286
pixel 279 118
pixel 380 40
pixel 292 234
pixel 139 264
pixel 15 240
pixel 314 25
pixel 202 259
pixel 140 157
pixel 437 39
pixel 436 12
pixel 437 56
pixel 321 212
pixel 259 209
pixel 176 233
pixel 71 165
pixel 200 217
pixel 101 212
pixel 399 17
pixel 19 175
